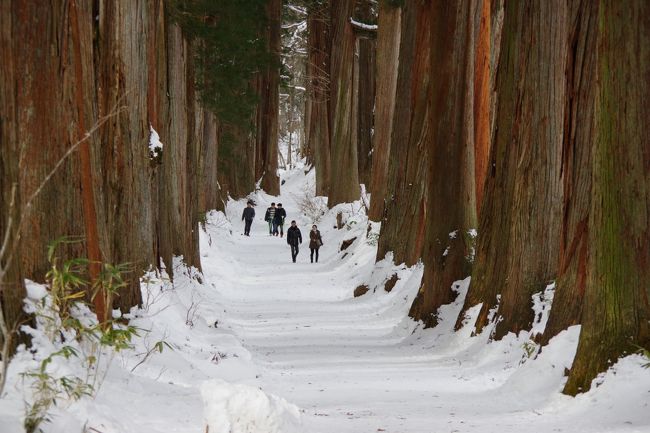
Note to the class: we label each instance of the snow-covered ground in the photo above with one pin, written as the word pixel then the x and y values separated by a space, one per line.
pixel 263 345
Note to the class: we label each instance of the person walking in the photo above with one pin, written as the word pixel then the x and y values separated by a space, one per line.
pixel 270 215
pixel 280 215
pixel 294 237
pixel 247 216
pixel 315 242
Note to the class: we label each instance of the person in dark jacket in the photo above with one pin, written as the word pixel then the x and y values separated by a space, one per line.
pixel 293 238
pixel 315 242
pixel 270 215
pixel 278 220
pixel 247 216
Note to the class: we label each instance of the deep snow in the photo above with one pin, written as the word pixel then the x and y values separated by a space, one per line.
pixel 265 345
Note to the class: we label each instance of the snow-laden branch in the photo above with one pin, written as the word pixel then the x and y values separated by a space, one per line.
pixel 363 26
pixel 297 9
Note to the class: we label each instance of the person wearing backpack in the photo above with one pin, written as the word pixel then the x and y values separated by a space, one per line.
pixel 278 220
pixel 315 242
pixel 269 217
pixel 293 238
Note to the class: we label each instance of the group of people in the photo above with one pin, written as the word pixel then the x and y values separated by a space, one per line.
pixel 275 216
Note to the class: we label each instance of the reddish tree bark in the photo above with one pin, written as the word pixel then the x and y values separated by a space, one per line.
pixel 519 221
pixel 482 105
pixel 576 168
pixel 12 289
pixel 445 248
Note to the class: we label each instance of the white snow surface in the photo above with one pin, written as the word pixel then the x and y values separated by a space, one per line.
pixel 155 145
pixel 263 345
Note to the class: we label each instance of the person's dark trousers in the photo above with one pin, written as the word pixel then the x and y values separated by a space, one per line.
pixel 281 227
pixel 247 227
pixel 312 254
pixel 294 252
pixel 275 229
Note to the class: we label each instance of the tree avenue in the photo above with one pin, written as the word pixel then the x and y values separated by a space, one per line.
pixel 502 140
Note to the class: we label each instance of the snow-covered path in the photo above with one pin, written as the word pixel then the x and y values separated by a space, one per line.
pixel 359 365
pixel 254 320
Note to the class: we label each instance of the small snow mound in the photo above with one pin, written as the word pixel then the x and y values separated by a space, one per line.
pixel 238 408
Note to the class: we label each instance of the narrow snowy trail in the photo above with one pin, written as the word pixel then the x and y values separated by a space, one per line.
pixel 356 365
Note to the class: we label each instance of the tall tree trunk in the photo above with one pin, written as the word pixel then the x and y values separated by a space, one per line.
pixel 87 184
pixel 616 313
pixel 269 106
pixel 43 105
pixel 388 43
pixel 12 289
pixel 318 66
pixel 519 222
pixel 576 168
pixel 210 184
pixel 445 246
pixel 126 165
pixel 404 221
pixel 344 187
pixel 482 105
pixel 365 92
pixel 178 198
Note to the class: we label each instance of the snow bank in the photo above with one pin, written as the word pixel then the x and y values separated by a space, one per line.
pixel 241 408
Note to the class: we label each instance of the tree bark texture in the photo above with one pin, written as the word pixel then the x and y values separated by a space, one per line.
pixel 46 113
pixel 449 215
pixel 179 195
pixel 616 314
pixel 236 164
pixel 388 43
pixel 576 168
pixel 318 92
pixel 365 92
pixel 519 221
pixel 124 29
pixel 482 105
pixel 269 106
pixel 209 186
pixel 405 217
pixel 12 290
pixel 344 186
pixel 67 74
